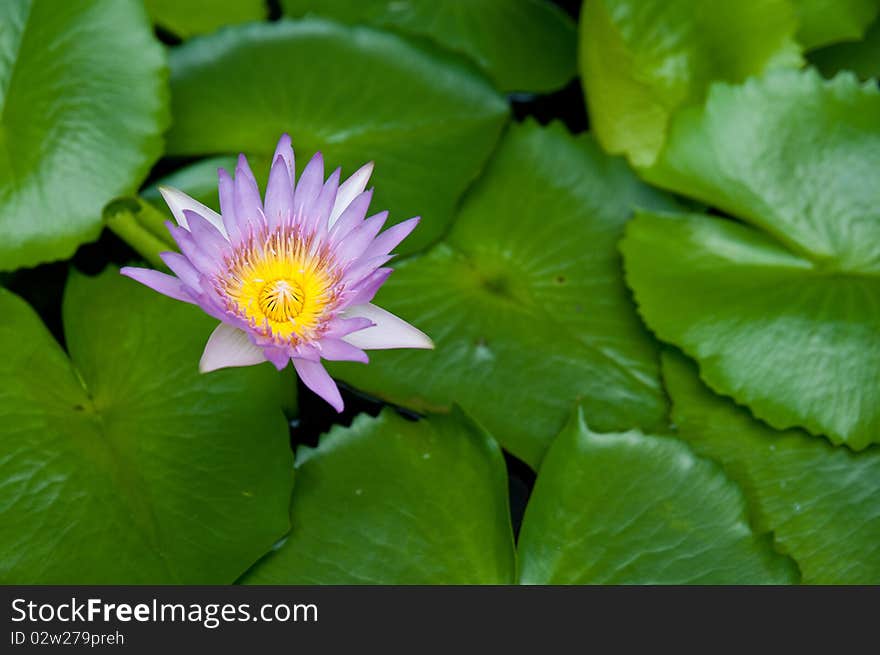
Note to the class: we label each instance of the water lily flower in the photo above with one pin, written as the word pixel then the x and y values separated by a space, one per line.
pixel 290 277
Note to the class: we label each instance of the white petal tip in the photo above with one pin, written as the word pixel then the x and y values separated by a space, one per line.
pixel 388 331
pixel 418 340
pixel 229 347
pixel 178 202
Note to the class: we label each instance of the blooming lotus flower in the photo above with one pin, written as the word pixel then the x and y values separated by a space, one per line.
pixel 289 278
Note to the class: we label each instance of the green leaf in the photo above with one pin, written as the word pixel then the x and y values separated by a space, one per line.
pixel 190 17
pixel 782 314
pixel 822 503
pixel 642 60
pixel 123 464
pixel 861 57
pixel 527 45
pixel 821 22
pixel 357 94
pixel 199 180
pixel 629 508
pixel 525 302
pixel 393 501
pixel 83 104
pixel 141 226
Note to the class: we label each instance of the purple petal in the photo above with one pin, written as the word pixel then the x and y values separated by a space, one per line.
pixel 228 346
pixel 390 238
pixel 279 194
pixel 337 350
pixel 278 356
pixel 206 235
pixel 339 327
pixel 305 351
pixel 351 217
pixel 285 151
pixel 362 268
pixel 226 188
pixel 167 285
pixel 181 267
pixel 178 202
pixel 349 190
pixel 316 378
pixel 388 330
pixel 321 210
pixel 367 289
pixel 354 245
pixel 202 260
pixel 248 204
pixel 308 189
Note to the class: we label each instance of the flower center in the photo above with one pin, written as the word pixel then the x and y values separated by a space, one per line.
pixel 282 284
pixel 281 300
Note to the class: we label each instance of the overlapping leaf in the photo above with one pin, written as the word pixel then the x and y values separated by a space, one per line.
pixel 641 60
pixel 199 180
pixel 525 302
pixel 630 508
pixel 83 104
pixel 821 22
pixel 782 313
pixel 392 501
pixel 123 464
pixel 355 93
pixel 527 45
pixel 820 502
pixel 191 17
pixel 861 57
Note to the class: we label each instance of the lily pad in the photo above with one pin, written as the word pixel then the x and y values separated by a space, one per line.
pixel 186 19
pixel 394 501
pixel 525 302
pixel 821 503
pixel 861 57
pixel 83 103
pixel 783 312
pixel 123 464
pixel 357 94
pixel 642 60
pixel 199 180
pixel 630 508
pixel 821 22
pixel 527 45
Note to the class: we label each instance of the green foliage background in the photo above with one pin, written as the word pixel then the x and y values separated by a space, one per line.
pixel 673 319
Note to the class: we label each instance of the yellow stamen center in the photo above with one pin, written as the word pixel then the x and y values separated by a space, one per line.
pixel 281 300
pixel 281 286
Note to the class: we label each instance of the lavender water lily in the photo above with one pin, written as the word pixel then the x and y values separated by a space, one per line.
pixel 290 278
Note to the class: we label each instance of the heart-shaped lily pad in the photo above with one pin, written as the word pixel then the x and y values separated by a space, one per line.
pixel 123 464
pixel 783 312
pixel 525 302
pixel 637 509
pixel 394 501
pixel 427 119
pixel 821 503
pixel 83 103
pixel 528 45
pixel 642 60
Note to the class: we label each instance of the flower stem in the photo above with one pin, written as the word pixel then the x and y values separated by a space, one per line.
pixel 141 226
